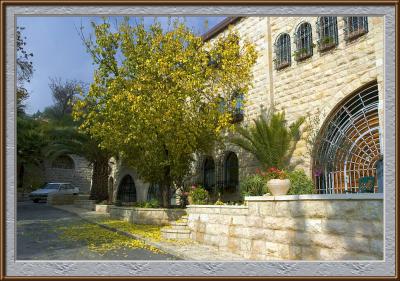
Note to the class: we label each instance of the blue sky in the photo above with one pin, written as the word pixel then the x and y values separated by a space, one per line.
pixel 58 50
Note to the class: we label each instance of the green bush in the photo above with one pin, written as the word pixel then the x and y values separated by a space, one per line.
pixel 199 196
pixel 153 203
pixel 253 185
pixel 300 183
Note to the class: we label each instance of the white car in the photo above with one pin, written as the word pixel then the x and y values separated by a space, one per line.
pixel 53 187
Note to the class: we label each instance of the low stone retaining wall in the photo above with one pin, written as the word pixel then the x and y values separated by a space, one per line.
pixel 61 199
pixel 85 204
pixel 293 227
pixel 102 208
pixel 154 216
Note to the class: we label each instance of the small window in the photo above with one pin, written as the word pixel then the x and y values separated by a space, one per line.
pixel 238 111
pixel 304 44
pixel 282 51
pixel 327 33
pixel 355 27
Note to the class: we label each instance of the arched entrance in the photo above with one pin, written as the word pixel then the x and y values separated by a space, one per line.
pixel 231 172
pixel 348 149
pixel 209 173
pixel 126 190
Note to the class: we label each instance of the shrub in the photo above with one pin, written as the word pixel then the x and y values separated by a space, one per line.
pixel 219 202
pixel 300 183
pixel 253 185
pixel 199 196
pixel 153 203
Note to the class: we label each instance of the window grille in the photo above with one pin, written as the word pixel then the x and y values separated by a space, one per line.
pixel 153 192
pixel 63 162
pixel 282 51
pixel 126 190
pixel 304 44
pixel 327 33
pixel 209 174
pixel 355 27
pixel 238 109
pixel 231 179
pixel 348 146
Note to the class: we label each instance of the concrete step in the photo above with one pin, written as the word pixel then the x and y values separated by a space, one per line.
pixel 170 233
pixel 179 227
pixel 172 230
pixel 178 223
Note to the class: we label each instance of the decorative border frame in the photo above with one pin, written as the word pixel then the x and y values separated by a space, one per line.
pixel 11 269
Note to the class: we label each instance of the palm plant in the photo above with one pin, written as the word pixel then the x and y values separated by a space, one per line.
pixel 68 140
pixel 270 139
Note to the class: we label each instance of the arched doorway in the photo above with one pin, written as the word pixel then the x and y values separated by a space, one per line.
pixel 231 172
pixel 209 173
pixel 348 147
pixel 153 192
pixel 126 190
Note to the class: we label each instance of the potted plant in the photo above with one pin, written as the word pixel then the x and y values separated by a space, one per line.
pixel 277 181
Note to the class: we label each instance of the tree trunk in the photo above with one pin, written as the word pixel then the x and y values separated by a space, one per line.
pixel 99 190
pixel 21 171
pixel 166 184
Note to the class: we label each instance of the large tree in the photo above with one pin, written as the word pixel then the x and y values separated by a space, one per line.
pixel 159 96
pixel 24 69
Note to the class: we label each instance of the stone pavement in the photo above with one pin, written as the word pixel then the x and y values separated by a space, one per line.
pixel 187 251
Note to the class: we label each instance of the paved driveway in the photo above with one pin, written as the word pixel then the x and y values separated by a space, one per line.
pixel 38 238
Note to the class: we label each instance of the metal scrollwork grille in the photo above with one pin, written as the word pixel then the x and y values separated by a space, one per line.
pixel 282 51
pixel 304 43
pixel 348 148
pixel 327 33
pixel 355 27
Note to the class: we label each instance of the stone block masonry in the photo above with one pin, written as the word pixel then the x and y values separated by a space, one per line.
pixel 156 216
pixel 294 227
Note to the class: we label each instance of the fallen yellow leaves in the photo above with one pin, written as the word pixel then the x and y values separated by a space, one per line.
pixel 101 240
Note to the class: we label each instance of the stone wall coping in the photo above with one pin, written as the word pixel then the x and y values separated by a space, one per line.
pixel 146 209
pixel 218 206
pixel 361 196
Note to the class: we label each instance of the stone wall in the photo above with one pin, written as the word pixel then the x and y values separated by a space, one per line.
pixel 156 216
pixel 80 176
pixel 293 227
pixel 61 199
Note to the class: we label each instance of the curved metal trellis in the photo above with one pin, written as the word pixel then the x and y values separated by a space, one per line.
pixel 348 148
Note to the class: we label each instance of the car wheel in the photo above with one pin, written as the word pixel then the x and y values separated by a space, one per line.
pixel 35 200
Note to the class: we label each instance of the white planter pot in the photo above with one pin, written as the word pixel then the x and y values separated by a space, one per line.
pixel 278 187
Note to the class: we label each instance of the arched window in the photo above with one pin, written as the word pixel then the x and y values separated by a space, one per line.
pixel 327 33
pixel 304 43
pixel 126 190
pixel 231 176
pixel 282 51
pixel 348 150
pixel 63 162
pixel 354 27
pixel 209 174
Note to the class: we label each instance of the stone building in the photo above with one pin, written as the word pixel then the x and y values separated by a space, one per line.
pixel 69 168
pixel 328 68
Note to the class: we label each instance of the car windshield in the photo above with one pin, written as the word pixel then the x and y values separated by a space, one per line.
pixel 51 186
